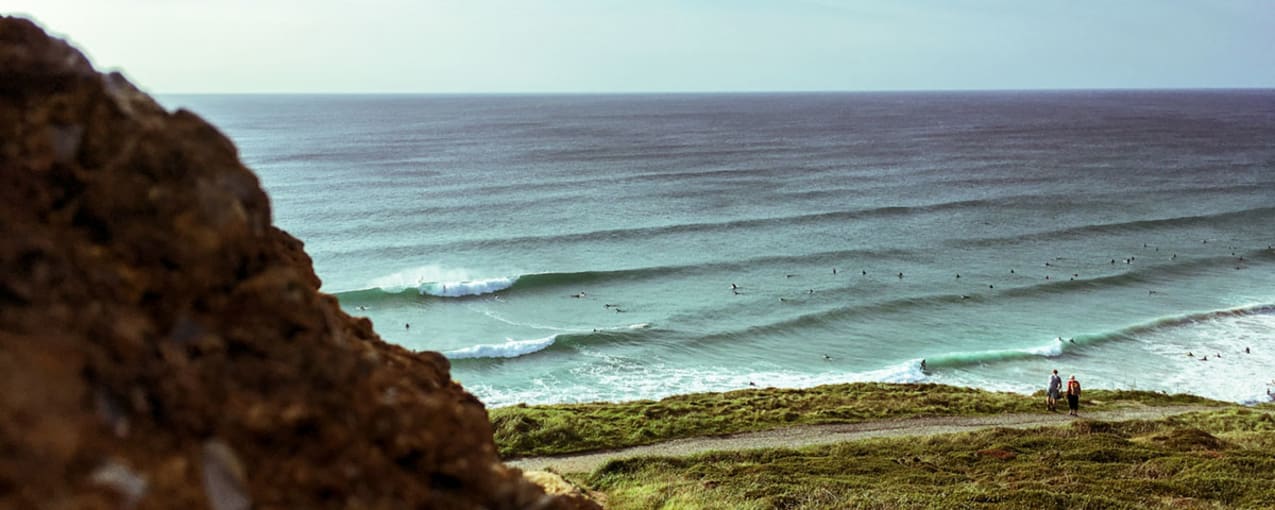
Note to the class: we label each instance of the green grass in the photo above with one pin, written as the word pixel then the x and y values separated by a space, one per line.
pixel 1216 459
pixel 558 429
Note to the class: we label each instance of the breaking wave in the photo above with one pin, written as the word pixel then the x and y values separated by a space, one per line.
pixel 512 348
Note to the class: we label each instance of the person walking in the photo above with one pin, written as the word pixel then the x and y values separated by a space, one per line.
pixel 1073 396
pixel 1051 395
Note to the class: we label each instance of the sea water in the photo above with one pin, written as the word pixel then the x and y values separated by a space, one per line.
pixel 568 248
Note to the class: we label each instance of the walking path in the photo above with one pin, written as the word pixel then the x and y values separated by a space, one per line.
pixel 810 435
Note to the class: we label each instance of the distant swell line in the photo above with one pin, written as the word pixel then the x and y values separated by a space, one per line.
pixel 1147 274
pixel 478 287
pixel 632 233
pixel 1086 231
pixel 1058 347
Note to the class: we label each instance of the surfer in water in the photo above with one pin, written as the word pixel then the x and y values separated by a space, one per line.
pixel 923 368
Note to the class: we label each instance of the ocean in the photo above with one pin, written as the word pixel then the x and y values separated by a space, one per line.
pixel 574 248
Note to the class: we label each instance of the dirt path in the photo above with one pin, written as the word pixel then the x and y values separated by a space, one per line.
pixel 795 437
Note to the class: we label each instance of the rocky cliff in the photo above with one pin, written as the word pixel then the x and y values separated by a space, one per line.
pixel 162 345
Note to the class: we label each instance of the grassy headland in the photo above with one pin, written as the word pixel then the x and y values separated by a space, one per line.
pixel 568 428
pixel 1217 459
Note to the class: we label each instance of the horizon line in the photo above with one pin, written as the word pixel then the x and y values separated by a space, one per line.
pixel 721 92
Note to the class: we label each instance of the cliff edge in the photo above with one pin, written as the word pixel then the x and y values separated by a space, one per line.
pixel 162 345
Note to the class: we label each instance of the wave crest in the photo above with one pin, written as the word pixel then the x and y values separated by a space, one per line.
pixel 466 287
pixel 509 349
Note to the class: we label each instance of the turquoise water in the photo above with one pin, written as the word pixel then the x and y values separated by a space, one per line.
pixel 579 248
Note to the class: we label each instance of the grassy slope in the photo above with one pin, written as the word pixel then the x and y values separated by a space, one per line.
pixel 558 429
pixel 1219 459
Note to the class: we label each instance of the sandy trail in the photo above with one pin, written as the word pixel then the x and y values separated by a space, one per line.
pixel 809 435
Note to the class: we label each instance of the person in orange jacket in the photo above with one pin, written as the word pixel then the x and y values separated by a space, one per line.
pixel 1073 395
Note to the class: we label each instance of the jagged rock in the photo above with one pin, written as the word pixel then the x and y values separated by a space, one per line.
pixel 158 335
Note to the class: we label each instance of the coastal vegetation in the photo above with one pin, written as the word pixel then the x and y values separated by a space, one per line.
pixel 1222 458
pixel 1215 459
pixel 567 428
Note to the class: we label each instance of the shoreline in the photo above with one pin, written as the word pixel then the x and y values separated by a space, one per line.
pixel 1040 393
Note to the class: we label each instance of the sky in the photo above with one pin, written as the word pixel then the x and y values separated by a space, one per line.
pixel 598 46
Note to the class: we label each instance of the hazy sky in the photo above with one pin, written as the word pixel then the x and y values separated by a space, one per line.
pixel 171 46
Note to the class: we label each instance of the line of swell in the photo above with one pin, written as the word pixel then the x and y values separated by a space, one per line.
pixel 499 196
pixel 510 348
pixel 1145 274
pixel 691 228
pixel 467 288
pixel 500 191
pixel 579 278
pixel 1058 347
pixel 1088 231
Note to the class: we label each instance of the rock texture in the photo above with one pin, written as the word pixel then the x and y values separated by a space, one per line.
pixel 162 345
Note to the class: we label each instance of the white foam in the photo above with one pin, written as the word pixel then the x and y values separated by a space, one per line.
pixel 906 372
pixel 510 349
pixel 1236 376
pixel 1052 349
pixel 414 277
pixel 1157 359
pixel 613 378
pixel 467 287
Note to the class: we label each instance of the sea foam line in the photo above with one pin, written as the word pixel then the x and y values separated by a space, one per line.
pixel 510 349
pixel 467 287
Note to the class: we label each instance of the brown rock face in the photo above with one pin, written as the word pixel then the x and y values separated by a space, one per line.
pixel 162 345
